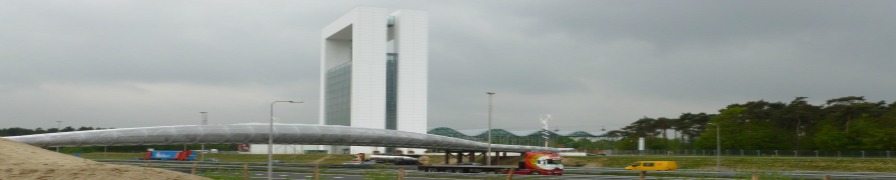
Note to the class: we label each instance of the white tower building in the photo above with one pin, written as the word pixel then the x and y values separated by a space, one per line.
pixel 374 72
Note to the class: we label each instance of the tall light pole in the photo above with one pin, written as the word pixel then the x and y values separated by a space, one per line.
pixel 271 139
pixel 488 155
pixel 58 129
pixel 718 147
pixel 204 122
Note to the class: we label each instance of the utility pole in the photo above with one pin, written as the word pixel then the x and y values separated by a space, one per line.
pixel 488 155
pixel 718 147
pixel 204 122
pixel 271 139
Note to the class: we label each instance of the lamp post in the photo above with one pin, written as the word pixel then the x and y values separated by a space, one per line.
pixel 718 147
pixel 204 122
pixel 58 129
pixel 488 155
pixel 271 139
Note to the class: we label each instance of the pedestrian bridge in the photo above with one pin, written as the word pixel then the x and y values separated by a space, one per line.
pixel 257 133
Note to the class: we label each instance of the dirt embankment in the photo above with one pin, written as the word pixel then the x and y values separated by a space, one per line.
pixel 22 161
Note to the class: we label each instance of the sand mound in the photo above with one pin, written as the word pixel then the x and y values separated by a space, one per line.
pixel 22 161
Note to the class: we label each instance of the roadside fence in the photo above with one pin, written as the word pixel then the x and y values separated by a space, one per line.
pixel 759 153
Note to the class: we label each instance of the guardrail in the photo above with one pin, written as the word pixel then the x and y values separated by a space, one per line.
pixel 760 153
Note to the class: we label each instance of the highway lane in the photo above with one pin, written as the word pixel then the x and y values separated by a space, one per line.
pixel 308 176
pixel 734 174
pixel 297 171
pixel 257 171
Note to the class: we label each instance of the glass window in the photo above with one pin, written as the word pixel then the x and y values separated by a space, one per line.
pixel 338 97
pixel 391 91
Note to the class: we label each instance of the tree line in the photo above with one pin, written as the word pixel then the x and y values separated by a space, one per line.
pixel 17 131
pixel 846 123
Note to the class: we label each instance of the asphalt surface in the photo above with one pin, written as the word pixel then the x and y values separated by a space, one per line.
pixel 742 174
pixel 308 176
pixel 303 171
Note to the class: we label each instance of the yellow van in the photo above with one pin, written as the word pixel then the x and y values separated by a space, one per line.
pixel 653 166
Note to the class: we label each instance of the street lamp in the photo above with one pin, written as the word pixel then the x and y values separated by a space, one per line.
pixel 58 129
pixel 718 147
pixel 204 122
pixel 488 155
pixel 271 139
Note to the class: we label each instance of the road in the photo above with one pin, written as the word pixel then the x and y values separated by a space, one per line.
pixel 308 176
pixel 303 171
pixel 732 174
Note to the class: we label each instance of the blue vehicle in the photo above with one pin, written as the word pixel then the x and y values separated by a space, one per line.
pixel 170 155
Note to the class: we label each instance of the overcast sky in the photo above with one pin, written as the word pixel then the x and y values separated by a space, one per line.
pixel 590 64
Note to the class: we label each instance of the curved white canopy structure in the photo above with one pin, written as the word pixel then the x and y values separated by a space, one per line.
pixel 257 133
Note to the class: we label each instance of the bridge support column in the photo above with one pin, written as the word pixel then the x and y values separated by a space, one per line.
pixel 447 156
pixel 460 156
pixel 472 156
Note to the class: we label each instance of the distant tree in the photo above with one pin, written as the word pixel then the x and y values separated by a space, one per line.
pixel 567 142
pixel 603 144
pixel 663 125
pixel 615 134
pixel 747 126
pixel 584 144
pixel 692 125
pixel 846 123
pixel 39 131
pixel 845 109
pixel 800 116
pixel 642 128
pixel 830 138
pixel 15 131
pixel 627 143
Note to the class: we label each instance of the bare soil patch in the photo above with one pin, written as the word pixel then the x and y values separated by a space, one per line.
pixel 23 161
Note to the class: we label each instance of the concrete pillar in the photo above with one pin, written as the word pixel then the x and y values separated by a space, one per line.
pixel 447 156
pixel 472 156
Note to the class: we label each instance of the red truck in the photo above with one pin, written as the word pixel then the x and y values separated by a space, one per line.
pixel 533 163
pixel 537 163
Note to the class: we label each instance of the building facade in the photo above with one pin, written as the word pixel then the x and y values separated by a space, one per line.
pixel 374 72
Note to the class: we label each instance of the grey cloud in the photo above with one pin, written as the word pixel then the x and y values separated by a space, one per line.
pixel 589 63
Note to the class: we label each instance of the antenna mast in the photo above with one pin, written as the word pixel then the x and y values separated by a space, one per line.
pixel 545 131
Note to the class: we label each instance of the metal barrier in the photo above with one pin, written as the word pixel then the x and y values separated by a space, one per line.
pixel 760 153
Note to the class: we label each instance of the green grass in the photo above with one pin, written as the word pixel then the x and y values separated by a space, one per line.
pixel 100 155
pixel 381 172
pixel 223 174
pixel 286 158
